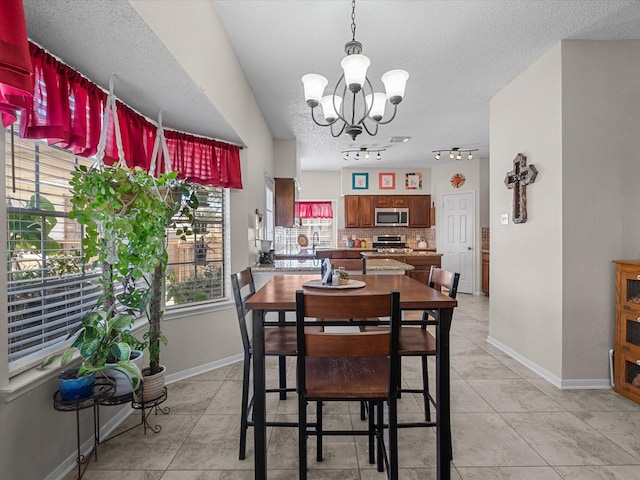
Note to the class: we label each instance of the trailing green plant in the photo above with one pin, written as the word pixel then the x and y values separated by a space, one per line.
pixel 99 339
pixel 125 213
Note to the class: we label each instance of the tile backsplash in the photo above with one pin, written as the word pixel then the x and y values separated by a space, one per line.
pixel 411 234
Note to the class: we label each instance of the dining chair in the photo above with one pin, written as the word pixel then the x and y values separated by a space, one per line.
pixel 358 366
pixel 418 341
pixel 279 341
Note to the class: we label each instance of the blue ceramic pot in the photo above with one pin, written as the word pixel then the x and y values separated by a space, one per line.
pixel 72 388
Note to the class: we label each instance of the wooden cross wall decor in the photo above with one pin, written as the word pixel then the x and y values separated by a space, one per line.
pixel 517 180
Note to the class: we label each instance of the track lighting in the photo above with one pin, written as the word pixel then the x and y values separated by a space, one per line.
pixel 366 152
pixel 455 152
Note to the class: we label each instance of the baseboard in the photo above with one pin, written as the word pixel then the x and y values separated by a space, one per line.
pixel 565 384
pixel 191 372
pixel 70 463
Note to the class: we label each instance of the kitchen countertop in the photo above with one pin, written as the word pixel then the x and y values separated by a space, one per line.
pixel 415 253
pixel 373 265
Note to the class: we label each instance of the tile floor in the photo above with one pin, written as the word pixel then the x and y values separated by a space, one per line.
pixel 507 423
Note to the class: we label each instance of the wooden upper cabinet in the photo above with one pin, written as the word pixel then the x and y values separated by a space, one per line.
pixel 358 211
pixel 391 201
pixel 285 202
pixel 419 210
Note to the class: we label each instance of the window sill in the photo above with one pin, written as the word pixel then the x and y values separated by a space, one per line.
pixel 178 312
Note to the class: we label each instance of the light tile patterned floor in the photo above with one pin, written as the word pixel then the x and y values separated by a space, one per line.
pixel 508 424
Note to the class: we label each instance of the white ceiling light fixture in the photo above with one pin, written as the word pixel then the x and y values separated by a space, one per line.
pixel 369 105
pixel 455 152
pixel 365 151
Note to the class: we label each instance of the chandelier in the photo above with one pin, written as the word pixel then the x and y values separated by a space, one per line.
pixel 455 152
pixel 369 105
pixel 366 152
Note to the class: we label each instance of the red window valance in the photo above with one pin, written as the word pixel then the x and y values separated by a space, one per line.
pixel 67 110
pixel 15 64
pixel 314 210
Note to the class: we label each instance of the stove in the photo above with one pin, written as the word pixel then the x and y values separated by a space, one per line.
pixel 390 243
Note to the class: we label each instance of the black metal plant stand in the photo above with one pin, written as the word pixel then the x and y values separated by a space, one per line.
pixel 151 406
pixel 103 388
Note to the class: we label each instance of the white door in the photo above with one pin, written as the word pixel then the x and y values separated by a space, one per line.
pixel 458 215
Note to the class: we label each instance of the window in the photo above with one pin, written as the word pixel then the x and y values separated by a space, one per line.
pixel 289 240
pixel 195 272
pixel 49 289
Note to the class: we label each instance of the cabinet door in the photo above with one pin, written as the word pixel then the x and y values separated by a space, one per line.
pixel 419 210
pixel 285 202
pixel 383 201
pixel 366 211
pixel 485 272
pixel 351 211
pixel 399 201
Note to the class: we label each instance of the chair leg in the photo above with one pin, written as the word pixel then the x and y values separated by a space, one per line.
pixel 282 360
pixel 302 437
pixel 372 433
pixel 399 376
pixel 380 435
pixel 244 410
pixel 319 431
pixel 393 439
pixel 425 389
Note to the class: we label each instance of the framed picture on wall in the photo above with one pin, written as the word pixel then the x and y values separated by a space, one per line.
pixel 386 181
pixel 360 181
pixel 413 181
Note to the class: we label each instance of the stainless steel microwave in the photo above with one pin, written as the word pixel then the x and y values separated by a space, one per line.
pixel 392 217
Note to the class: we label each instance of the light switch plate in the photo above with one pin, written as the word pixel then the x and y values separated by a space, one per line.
pixel 504 219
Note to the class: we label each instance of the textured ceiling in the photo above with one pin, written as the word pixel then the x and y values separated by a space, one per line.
pixel 458 54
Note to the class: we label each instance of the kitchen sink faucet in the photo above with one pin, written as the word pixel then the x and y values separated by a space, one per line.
pixel 315 240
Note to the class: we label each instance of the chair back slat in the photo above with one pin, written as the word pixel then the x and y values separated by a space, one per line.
pixel 352 345
pixel 369 306
pixel 440 278
pixel 243 289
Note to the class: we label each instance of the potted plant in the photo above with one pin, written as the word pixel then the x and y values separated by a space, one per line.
pixel 126 213
pixel 97 339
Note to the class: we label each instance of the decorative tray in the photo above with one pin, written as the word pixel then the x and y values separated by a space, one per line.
pixel 318 284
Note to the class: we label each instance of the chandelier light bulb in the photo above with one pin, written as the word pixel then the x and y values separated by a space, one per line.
pixel 331 107
pixel 376 111
pixel 355 71
pixel 313 88
pixel 395 82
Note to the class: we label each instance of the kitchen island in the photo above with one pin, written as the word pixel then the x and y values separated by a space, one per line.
pixel 421 260
pixel 374 266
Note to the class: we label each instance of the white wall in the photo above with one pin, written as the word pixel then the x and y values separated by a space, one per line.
pixel 526 259
pixel 574 113
pixel 600 171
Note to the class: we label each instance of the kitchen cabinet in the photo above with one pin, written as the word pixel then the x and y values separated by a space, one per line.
pixel 285 202
pixel 485 272
pixel 422 265
pixel 626 372
pixel 419 210
pixel 391 201
pixel 358 211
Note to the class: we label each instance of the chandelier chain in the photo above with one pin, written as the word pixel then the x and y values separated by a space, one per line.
pixel 353 19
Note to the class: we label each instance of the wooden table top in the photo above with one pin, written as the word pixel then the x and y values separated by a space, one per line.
pixel 279 293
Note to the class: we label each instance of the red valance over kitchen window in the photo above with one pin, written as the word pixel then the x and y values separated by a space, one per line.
pixel 67 110
pixel 314 210
pixel 15 65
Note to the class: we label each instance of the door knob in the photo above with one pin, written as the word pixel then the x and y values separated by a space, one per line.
pixel 468 248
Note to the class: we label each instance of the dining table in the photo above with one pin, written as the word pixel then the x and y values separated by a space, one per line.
pixel 279 295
